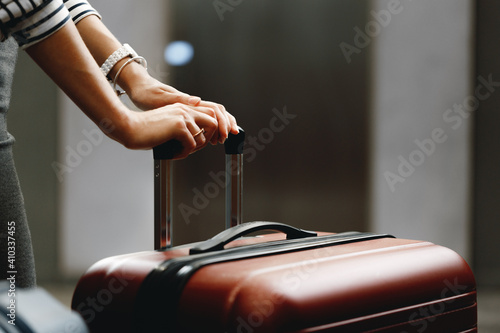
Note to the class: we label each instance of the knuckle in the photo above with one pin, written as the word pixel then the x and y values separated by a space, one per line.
pixel 184 114
pixel 180 106
pixel 213 124
pixel 180 121
pixel 211 113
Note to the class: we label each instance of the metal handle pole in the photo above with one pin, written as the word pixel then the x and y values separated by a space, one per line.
pixel 163 204
pixel 234 190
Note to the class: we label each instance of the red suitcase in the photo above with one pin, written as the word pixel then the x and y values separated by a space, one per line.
pixel 292 281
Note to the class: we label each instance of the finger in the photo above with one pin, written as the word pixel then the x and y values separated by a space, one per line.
pixel 181 97
pixel 222 120
pixel 198 134
pixel 205 118
pixel 209 126
pixel 224 124
pixel 193 100
pixel 191 143
pixel 215 138
pixel 206 108
pixel 173 95
pixel 233 123
pixel 184 99
pixel 202 137
pixel 188 144
pixel 194 135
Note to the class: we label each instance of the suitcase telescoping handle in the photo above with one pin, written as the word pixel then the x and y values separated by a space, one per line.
pixel 218 242
pixel 233 148
pixel 163 155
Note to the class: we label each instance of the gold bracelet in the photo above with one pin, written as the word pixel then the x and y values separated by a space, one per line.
pixel 138 59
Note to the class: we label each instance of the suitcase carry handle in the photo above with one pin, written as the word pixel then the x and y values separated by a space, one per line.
pixel 163 155
pixel 218 242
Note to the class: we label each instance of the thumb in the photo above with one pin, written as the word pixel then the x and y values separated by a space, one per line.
pixel 175 96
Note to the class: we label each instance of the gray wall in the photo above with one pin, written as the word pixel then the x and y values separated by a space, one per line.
pixel 421 147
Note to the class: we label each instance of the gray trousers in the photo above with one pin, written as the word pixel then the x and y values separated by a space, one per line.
pixel 16 252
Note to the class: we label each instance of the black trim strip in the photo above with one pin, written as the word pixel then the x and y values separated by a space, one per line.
pixel 76 17
pixel 44 19
pixel 161 290
pixel 22 40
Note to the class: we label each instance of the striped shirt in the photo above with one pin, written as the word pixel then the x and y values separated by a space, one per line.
pixel 30 21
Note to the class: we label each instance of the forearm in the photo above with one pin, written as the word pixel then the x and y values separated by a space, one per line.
pixel 67 61
pixel 101 44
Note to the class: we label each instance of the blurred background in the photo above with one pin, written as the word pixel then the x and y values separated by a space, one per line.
pixel 373 115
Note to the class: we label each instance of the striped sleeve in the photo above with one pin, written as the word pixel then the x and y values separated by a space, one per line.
pixel 79 9
pixel 30 21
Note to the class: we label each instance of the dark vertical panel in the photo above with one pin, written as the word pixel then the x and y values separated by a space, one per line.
pixel 487 148
pixel 263 60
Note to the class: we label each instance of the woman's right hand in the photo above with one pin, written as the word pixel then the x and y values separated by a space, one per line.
pixel 145 130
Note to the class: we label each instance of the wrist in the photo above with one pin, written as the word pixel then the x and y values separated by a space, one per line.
pixel 128 74
pixel 121 68
pixel 119 124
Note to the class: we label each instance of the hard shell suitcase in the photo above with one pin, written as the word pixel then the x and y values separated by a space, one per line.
pixel 290 281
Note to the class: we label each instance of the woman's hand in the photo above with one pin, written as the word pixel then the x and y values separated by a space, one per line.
pixel 148 93
pixel 192 126
pixel 226 121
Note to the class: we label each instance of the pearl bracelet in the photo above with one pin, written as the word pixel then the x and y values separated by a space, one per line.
pixel 138 59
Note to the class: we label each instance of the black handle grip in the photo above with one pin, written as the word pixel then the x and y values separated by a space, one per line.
pixel 220 240
pixel 234 143
pixel 167 150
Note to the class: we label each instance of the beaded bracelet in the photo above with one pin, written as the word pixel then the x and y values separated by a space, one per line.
pixel 138 59
pixel 124 51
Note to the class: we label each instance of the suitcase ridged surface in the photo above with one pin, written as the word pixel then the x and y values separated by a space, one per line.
pixel 308 289
pixel 383 284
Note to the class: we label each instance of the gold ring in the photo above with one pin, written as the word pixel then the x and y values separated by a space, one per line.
pixel 201 131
